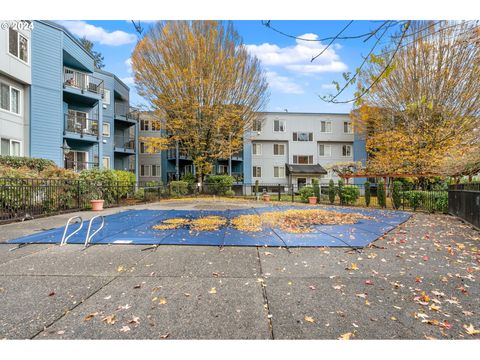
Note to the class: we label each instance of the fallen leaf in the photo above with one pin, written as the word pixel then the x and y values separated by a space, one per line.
pixel 212 291
pixel 345 336
pixel 425 258
pixel 162 301
pixel 134 320
pixel 61 332
pixel 309 319
pixel 363 296
pixel 434 307
pixel 110 319
pixel 52 293
pixel 352 266
pixel 137 286
pixel 125 328
pixel 120 268
pixel 368 282
pixel 311 287
pixel 164 336
pixel 470 330
pixel 90 316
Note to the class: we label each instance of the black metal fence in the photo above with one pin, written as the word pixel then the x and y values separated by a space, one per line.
pixel 464 202
pixel 28 198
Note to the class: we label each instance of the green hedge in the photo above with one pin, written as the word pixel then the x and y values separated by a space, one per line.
pixel 219 184
pixel 306 192
pixel 348 194
pixel 432 201
pixel 178 188
pixel 30 163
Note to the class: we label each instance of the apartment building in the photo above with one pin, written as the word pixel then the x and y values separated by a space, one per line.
pixel 149 163
pixel 56 105
pixel 294 148
pixel 15 81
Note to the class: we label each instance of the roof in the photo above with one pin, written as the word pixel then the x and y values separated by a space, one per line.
pixel 305 169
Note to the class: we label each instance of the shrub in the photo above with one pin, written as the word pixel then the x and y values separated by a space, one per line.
pixel 219 184
pixel 139 194
pixel 350 194
pixel 256 187
pixel 397 194
pixel 230 193
pixel 125 181
pixel 306 192
pixel 31 163
pixel 381 194
pixel 316 188
pixel 331 191
pixel 340 192
pixel 99 184
pixel 178 188
pixel 414 199
pixel 367 193
pixel 429 200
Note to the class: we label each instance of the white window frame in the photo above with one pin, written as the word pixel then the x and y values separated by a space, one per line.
pixel 349 127
pixel 221 166
pixel 280 171
pixel 325 152
pixel 10 147
pixel 256 146
pixel 145 173
pixel 157 170
pixel 20 99
pixel 254 173
pixel 278 145
pixel 106 97
pixel 29 53
pixel 284 125
pixel 308 159
pixel 103 129
pixel 345 146
pixel 108 162
pixel 326 127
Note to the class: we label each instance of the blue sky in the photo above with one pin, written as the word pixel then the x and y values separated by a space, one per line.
pixel 295 82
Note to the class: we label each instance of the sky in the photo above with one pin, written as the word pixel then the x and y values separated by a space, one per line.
pixel 295 82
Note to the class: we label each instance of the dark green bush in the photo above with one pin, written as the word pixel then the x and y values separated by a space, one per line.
pixel 350 194
pixel 178 188
pixel 306 192
pixel 256 187
pixel 316 189
pixel 219 184
pixel 230 193
pixel 367 193
pixel 432 201
pixel 31 163
pixel 331 191
pixel 340 192
pixel 99 184
pixel 397 195
pixel 382 201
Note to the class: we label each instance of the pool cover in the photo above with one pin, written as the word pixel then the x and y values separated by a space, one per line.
pixel 135 227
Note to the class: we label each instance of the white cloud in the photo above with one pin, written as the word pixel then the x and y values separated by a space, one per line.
pixel 282 83
pixel 128 62
pixel 298 58
pixel 98 34
pixel 328 86
pixel 129 81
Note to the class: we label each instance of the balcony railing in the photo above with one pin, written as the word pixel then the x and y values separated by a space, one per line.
pixel 81 125
pixel 82 81
pixel 182 154
pixel 124 142
pixel 122 109
pixel 78 166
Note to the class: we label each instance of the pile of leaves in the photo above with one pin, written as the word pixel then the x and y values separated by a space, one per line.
pixel 205 223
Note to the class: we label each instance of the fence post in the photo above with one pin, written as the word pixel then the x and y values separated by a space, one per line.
pixel 293 195
pixel 279 193
pixel 78 193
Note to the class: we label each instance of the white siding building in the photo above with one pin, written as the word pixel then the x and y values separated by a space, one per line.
pixel 15 81
pixel 294 148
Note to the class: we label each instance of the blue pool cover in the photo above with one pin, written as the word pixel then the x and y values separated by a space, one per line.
pixel 135 227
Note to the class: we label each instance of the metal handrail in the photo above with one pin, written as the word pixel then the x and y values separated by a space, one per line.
pixel 64 239
pixel 89 237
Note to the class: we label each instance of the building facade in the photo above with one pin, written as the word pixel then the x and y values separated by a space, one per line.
pixel 15 81
pixel 57 105
pixel 150 164
pixel 294 148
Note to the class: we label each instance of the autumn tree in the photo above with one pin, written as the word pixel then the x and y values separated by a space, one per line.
pixel 200 79
pixel 422 109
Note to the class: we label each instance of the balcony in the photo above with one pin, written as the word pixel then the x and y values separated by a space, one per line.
pixel 83 82
pixel 123 113
pixel 78 166
pixel 124 143
pixel 81 125
pixel 182 154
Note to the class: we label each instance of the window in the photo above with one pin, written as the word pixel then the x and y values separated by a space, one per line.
pixel 324 150
pixel 222 169
pixel 106 162
pixel 257 149
pixel 17 45
pixel 9 98
pixel 278 149
pixel 106 97
pixel 303 159
pixel 106 129
pixel 155 125
pixel 188 169
pixel 279 125
pixel 156 170
pixel 144 125
pixel 257 125
pixel 257 171
pixel 10 147
pixel 279 171
pixel 326 127
pixel 346 150
pixel 144 170
pixel 302 136
pixel 142 147
pixel 347 127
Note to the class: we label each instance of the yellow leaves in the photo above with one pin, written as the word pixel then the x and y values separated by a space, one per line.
pixel 120 268
pixel 162 301
pixel 170 224
pixel 434 307
pixel 353 266
pixel 110 319
pixel 346 336
pixel 207 223
pixel 212 290
pixel 309 319
pixel 90 316
pixel 470 330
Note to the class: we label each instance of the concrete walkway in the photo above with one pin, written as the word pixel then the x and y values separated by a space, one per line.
pixel 417 282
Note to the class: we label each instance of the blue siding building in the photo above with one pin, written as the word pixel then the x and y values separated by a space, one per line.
pixel 74 117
